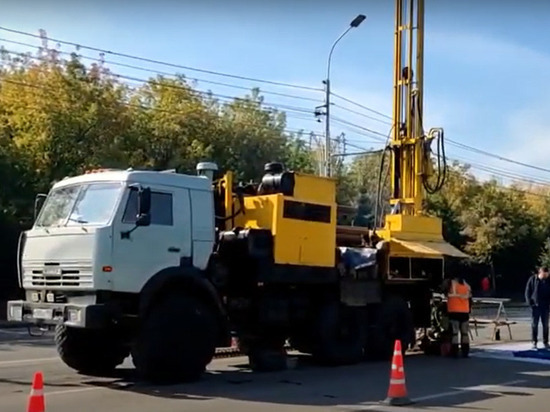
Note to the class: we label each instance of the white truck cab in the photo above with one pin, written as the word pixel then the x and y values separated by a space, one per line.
pixel 89 237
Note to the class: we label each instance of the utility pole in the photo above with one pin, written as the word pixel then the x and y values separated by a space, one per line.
pixel 328 152
pixel 344 146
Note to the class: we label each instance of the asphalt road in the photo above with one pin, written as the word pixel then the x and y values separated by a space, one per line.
pixel 435 383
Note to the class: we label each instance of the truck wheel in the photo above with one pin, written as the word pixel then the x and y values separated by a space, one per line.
pixel 176 341
pixel 339 336
pixel 394 322
pixel 93 352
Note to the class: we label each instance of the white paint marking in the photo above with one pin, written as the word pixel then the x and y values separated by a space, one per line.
pixel 460 391
pixel 69 391
pixel 24 361
pixel 478 388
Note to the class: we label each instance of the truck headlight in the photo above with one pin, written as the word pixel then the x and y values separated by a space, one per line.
pixel 16 313
pixel 74 315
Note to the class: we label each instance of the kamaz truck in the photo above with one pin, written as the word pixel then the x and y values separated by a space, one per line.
pixel 167 266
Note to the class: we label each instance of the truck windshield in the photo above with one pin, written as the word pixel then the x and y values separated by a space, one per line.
pixel 86 204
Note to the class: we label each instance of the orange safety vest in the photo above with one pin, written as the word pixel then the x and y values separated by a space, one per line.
pixel 458 300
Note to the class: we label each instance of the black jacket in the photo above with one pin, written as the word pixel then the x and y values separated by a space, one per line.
pixel 532 291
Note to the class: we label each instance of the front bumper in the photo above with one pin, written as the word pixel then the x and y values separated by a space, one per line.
pixel 81 316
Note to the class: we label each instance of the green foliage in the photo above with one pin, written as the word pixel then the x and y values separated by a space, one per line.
pixel 60 117
pixel 544 258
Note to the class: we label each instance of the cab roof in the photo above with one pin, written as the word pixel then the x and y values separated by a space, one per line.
pixel 145 177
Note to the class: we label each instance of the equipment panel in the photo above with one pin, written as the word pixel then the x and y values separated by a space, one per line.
pixel 304 232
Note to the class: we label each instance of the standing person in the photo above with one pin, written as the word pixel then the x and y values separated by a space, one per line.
pixel 459 306
pixel 537 296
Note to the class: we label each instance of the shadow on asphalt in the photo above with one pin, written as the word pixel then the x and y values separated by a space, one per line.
pixel 365 384
pixel 12 339
pixel 27 382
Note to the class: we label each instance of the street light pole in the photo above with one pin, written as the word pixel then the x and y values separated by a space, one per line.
pixel 354 23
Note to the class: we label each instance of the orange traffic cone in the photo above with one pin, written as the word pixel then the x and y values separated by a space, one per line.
pixel 397 392
pixel 36 398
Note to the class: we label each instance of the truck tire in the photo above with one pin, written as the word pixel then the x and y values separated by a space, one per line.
pixel 339 336
pixel 394 322
pixel 93 352
pixel 176 341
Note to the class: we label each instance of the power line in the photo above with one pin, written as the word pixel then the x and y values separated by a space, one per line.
pixel 158 72
pixel 453 142
pixel 133 105
pixel 201 92
pixel 285 130
pixel 502 172
pixel 133 78
pixel 483 152
pixel 303 110
pixel 361 106
pixel 374 132
pixel 160 62
pixel 119 54
pixel 361 114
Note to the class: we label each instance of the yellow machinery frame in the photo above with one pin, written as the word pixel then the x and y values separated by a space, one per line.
pixel 300 237
pixel 411 233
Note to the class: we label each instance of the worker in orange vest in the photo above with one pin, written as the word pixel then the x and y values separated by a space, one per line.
pixel 459 305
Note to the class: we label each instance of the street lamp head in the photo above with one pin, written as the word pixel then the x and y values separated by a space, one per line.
pixel 358 20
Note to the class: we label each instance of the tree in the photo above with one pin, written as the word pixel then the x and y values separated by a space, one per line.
pixel 544 258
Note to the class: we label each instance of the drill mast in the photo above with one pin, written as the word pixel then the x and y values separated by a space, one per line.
pixel 410 161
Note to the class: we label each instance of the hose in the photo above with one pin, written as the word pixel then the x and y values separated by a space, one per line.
pixel 441 156
pixel 380 186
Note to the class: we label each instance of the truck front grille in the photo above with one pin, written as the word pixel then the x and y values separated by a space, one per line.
pixel 58 275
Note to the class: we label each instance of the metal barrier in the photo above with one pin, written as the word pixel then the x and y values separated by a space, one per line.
pixel 497 321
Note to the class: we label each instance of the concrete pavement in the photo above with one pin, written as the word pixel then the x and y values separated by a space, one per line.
pixel 439 384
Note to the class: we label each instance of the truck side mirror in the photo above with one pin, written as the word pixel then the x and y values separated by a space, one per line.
pixel 38 203
pixel 143 217
pixel 143 220
pixel 144 201
pixel 144 207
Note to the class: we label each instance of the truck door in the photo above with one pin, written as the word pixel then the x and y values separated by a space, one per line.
pixel 152 248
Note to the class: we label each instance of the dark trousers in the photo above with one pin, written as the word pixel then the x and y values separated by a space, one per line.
pixel 540 313
pixel 460 329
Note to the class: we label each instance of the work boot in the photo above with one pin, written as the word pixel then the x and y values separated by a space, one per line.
pixel 465 348
pixel 454 351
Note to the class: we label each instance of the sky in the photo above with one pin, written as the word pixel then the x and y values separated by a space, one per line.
pixel 484 76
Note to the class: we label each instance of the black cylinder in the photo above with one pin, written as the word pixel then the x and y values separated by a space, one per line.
pixel 273 168
pixel 276 180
